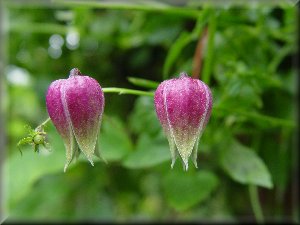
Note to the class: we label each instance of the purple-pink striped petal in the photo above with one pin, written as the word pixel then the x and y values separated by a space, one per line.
pixel 183 106
pixel 75 106
pixel 84 101
pixel 59 117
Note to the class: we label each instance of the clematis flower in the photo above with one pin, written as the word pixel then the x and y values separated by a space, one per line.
pixel 75 106
pixel 183 106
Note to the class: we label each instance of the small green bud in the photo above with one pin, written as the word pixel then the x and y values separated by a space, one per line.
pixel 39 139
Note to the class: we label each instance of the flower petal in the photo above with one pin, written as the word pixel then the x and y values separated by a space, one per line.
pixel 84 101
pixel 185 103
pixel 162 116
pixel 183 106
pixel 59 118
pixel 204 118
pixel 160 107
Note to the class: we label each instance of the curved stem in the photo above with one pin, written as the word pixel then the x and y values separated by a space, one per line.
pixel 42 124
pixel 45 122
pixel 256 204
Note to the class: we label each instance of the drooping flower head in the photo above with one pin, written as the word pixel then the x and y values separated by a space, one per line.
pixel 75 106
pixel 183 106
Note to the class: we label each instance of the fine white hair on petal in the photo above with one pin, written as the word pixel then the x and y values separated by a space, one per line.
pixel 200 131
pixel 183 106
pixel 70 152
pixel 75 105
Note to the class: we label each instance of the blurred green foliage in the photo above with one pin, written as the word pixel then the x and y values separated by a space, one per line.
pixel 248 141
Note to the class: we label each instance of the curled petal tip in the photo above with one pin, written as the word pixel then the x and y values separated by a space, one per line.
pixel 185 164
pixel 195 163
pixel 65 168
pixel 195 160
pixel 172 164
pixel 90 160
pixel 69 160
pixel 173 156
pixel 186 167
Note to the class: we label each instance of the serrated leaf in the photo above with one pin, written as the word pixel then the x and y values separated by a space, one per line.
pixel 244 166
pixel 185 189
pixel 149 152
pixel 114 142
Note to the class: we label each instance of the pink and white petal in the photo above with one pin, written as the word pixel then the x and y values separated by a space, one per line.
pixel 59 118
pixel 161 109
pixel 162 116
pixel 173 150
pixel 207 101
pixel 84 101
pixel 204 118
pixel 184 107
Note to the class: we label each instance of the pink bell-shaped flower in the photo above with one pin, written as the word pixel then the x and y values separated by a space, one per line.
pixel 75 106
pixel 183 106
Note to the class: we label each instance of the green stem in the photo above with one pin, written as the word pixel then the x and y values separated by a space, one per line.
pixel 151 6
pixel 113 90
pixel 274 121
pixel 283 52
pixel 256 204
pixel 42 124
pixel 127 91
pixel 207 67
pixel 45 122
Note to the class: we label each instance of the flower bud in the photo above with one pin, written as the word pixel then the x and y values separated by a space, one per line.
pixel 183 106
pixel 38 139
pixel 75 106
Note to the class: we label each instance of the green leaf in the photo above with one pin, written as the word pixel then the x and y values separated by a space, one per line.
pixel 244 166
pixel 174 52
pixel 114 141
pixel 186 189
pixel 149 152
pixel 24 170
pixel 182 41
pixel 39 205
pixel 143 82
pixel 143 118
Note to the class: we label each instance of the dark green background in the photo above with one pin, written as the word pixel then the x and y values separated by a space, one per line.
pixel 249 143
